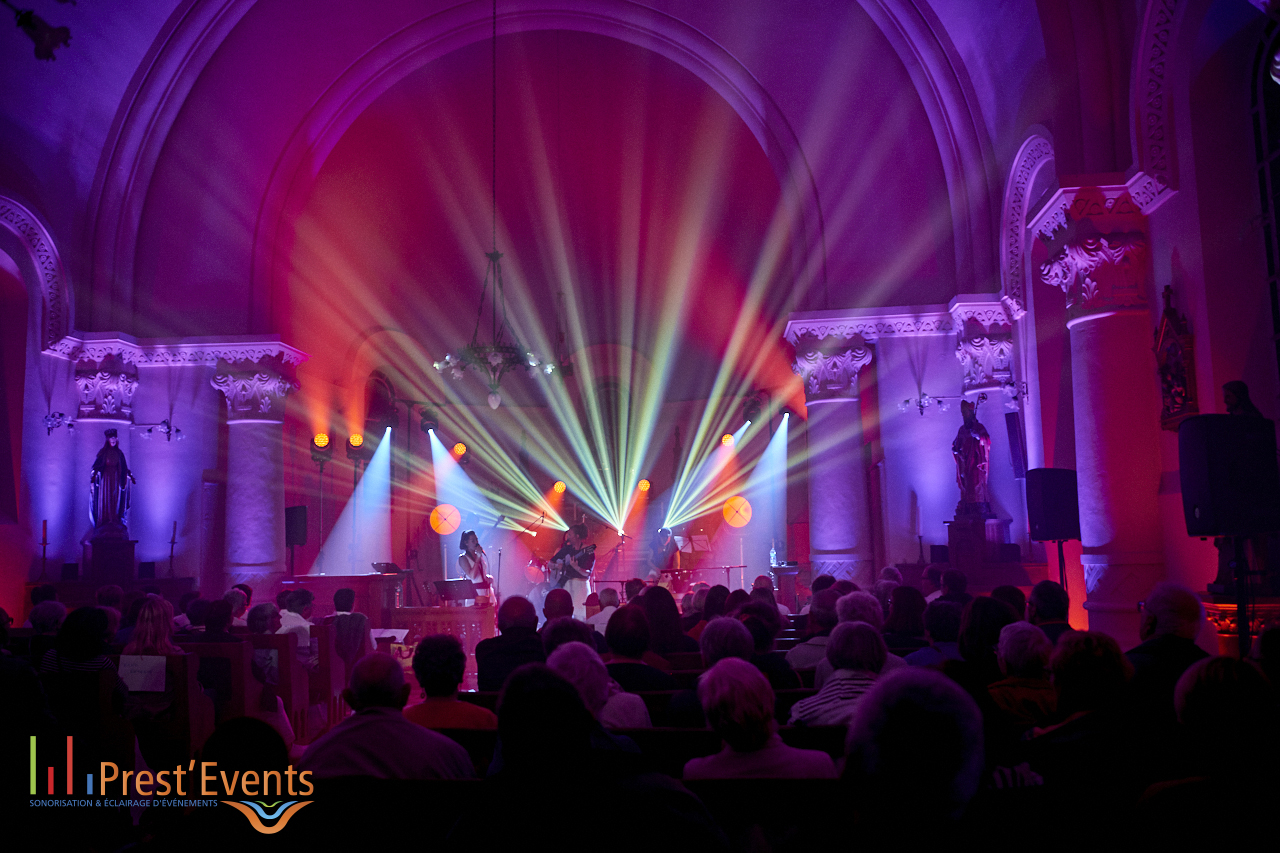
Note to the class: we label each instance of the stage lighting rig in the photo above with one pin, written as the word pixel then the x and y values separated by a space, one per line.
pixel 752 405
pixel 559 487
pixel 321 449
pixel 429 422
pixel 727 440
pixel 358 450
pixel 644 485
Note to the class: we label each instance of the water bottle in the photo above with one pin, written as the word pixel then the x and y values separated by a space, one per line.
pixel 773 555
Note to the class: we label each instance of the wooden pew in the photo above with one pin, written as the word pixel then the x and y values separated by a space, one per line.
pixel 478 743
pixel 483 698
pixel 327 681
pixel 293 676
pixel 87 707
pixel 684 660
pixel 235 661
pixel 188 721
pixel 797 813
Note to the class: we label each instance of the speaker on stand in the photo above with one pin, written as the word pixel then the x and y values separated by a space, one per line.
pixel 295 530
pixel 1230 488
pixel 1053 509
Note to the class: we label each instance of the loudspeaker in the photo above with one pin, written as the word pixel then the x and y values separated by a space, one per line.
pixel 295 525
pixel 1053 504
pixel 1230 482
pixel 147 570
pixel 1017 445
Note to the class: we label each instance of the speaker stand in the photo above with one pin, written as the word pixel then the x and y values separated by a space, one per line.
pixel 1062 567
pixel 1241 568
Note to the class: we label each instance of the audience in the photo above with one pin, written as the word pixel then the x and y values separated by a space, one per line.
pixel 765 624
pixel 856 653
pixel 376 740
pixel 736 599
pixel 739 706
pixel 558 603
pixel 629 665
pixel 608 597
pixel 182 620
pixel 46 617
pixel 1171 620
pixel 153 635
pixel 239 606
pixel 712 607
pixel 296 620
pixel 264 618
pixel 1025 695
pixel 857 607
pixel 942 630
pixel 883 591
pixel 1047 609
pixel 816 586
pixel 765 583
pixel 632 589
pixel 822 618
pixel 517 643
pixel 217 624
pixel 1011 596
pixel 439 664
pixel 931 584
pixel 665 635
pixel 980 624
pixel 904 625
pixel 352 636
pixel 580 665
pixel 954 586
pixel 566 629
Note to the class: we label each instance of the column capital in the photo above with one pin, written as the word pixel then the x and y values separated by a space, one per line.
pixel 255 390
pixel 106 387
pixel 829 366
pixel 1096 237
pixel 984 342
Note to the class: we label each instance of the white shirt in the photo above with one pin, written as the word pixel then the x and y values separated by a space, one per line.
pixel 601 619
pixel 297 624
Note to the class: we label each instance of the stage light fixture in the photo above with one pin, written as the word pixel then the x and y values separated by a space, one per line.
pixel 737 511
pixel 429 423
pixel 358 450
pixel 321 440
pixel 445 519
pixel 356 440
pixel 644 485
pixel 559 487
pixel 459 450
pixel 321 448
pixel 752 405
pixel 727 440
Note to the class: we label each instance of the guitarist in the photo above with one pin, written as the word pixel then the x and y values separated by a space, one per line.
pixel 575 559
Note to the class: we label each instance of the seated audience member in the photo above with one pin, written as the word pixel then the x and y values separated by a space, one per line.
pixel 942 629
pixel 353 639
pixel 565 629
pixel 109 596
pixel 980 624
pixel 239 607
pixel 931 584
pixel 856 653
pixel 439 664
pixel 296 620
pixel 282 599
pixel 153 635
pixel 665 635
pixel 517 643
pixel 686 605
pixel 1047 609
pixel 1089 757
pixel 182 620
pixel 129 620
pixel 197 614
pixel 822 618
pixel 883 590
pixel 81 645
pixel 764 624
pixel 693 617
pixel 46 617
pixel 818 584
pixel 904 626
pixel 1171 620
pixel 1226 712
pixel 1025 696
pixel 736 599
pixel 247 590
pixel 591 605
pixel 608 606
pixel 722 638
pixel 631 589
pixel 628 636
pixel 915 739
pixel 857 607
pixel 765 582
pixel 377 740
pixel 1011 596
pixel 891 573
pixel 580 665
pixel 217 624
pixel 558 603
pixel 954 587
pixel 712 608
pixel 739 706
pixel 844 586
pixel 264 618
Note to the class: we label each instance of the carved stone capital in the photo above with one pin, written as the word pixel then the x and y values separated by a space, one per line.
pixel 829 366
pixel 984 344
pixel 106 388
pixel 254 390
pixel 1100 272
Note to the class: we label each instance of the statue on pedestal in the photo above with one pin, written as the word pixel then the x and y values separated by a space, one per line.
pixel 972 449
pixel 109 488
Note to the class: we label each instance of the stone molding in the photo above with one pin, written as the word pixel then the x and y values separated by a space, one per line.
pixel 54 286
pixel 1101 273
pixel 1153 135
pixel 984 342
pixel 254 390
pixel 870 325
pixel 106 388
pixel 1036 153
pixel 829 366
pixel 183 351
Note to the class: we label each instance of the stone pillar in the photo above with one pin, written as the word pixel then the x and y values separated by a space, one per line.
pixel 839 516
pixel 255 392
pixel 1098 256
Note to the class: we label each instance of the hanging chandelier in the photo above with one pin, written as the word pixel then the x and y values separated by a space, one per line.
pixel 497 355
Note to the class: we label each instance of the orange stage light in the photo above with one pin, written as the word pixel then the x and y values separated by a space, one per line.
pixel 737 511
pixel 321 440
pixel 644 485
pixel 356 440
pixel 726 440
pixel 559 487
pixel 445 519
pixel 459 449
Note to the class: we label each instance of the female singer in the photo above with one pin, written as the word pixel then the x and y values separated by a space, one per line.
pixel 474 565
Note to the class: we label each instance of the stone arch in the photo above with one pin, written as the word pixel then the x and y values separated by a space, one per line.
pixel 26 239
pixel 1035 154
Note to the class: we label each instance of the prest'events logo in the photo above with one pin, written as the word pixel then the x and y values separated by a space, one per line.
pixel 169 787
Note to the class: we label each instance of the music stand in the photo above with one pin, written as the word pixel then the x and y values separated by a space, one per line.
pixel 456 590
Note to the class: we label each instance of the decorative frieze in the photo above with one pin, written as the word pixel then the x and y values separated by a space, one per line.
pixel 869 325
pixel 829 366
pixel 254 390
pixel 177 353
pixel 48 264
pixel 106 388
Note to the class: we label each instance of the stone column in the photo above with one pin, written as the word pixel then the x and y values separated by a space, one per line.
pixel 839 516
pixel 1098 256
pixel 255 392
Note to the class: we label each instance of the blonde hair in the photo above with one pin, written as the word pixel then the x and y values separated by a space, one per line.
pixel 151 635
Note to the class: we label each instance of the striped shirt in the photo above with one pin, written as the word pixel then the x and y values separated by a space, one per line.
pixel 834 703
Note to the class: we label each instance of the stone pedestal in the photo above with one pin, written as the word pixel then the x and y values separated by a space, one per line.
pixel 111 560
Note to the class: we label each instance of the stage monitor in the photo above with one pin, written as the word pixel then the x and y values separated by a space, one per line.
pixel 386 568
